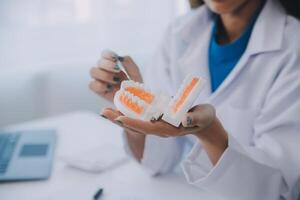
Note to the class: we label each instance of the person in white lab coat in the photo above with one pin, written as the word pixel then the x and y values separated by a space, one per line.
pixel 246 125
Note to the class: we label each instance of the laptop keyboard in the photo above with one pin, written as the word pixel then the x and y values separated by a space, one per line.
pixel 8 143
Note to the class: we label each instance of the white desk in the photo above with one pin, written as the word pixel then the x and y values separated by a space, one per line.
pixel 78 132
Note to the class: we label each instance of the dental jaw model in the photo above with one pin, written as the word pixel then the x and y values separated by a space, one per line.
pixel 183 100
pixel 138 102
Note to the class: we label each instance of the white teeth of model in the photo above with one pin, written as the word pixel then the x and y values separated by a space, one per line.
pixel 124 84
pixel 162 104
pixel 131 96
pixel 135 99
pixel 140 103
pixel 128 94
pixel 136 84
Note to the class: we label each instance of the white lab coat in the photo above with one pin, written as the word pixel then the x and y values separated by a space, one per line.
pixel 258 104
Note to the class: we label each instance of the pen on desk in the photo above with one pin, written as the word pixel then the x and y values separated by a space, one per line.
pixel 98 194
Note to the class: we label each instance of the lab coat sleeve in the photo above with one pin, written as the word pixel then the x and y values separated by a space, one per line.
pixel 161 155
pixel 270 168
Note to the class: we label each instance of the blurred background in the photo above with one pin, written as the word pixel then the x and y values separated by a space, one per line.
pixel 48 46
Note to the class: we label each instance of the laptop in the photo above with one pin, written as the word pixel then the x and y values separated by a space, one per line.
pixel 26 155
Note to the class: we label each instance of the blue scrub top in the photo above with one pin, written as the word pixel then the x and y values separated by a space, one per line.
pixel 223 58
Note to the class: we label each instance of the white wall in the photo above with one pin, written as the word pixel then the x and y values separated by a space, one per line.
pixel 40 93
pixel 48 46
pixel 36 33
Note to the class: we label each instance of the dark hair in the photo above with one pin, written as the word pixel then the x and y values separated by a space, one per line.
pixel 292 7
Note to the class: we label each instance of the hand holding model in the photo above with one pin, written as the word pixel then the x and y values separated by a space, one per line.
pixel 107 75
pixel 178 117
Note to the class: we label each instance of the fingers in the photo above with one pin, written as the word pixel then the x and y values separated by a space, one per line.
pixel 201 116
pixel 102 87
pixel 159 128
pixel 108 61
pixel 110 114
pixel 108 77
pixel 132 132
pixel 139 125
pixel 109 55
pixel 108 65
pixel 132 69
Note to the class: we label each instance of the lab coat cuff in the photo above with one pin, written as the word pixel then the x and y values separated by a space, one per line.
pixel 159 154
pixel 126 146
pixel 198 157
pixel 202 176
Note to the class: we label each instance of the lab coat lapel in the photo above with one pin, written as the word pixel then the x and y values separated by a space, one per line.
pixel 195 58
pixel 261 41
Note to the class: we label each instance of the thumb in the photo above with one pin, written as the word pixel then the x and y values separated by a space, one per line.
pixel 200 115
pixel 131 68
